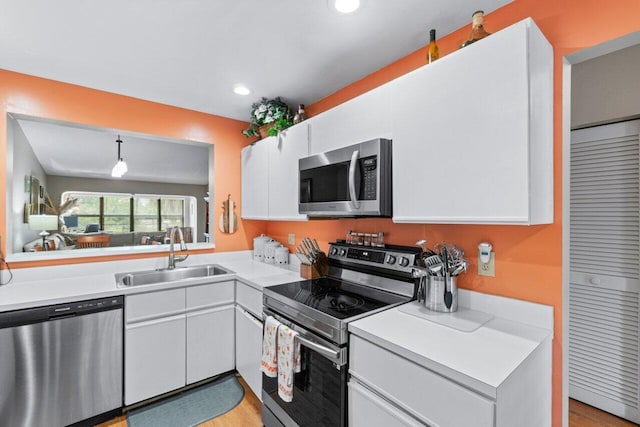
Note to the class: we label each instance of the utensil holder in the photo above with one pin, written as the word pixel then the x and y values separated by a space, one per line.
pixel 434 294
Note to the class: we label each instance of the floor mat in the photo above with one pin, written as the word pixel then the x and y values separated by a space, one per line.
pixel 192 407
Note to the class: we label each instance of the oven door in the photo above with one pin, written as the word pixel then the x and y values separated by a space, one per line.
pixel 319 390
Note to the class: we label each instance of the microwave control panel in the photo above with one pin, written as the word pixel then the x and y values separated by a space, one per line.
pixel 369 178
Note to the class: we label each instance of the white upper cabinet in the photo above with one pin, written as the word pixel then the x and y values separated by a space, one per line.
pixel 284 153
pixel 270 175
pixel 360 119
pixel 473 134
pixel 255 182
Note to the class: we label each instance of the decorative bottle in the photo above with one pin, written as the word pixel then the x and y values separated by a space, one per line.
pixel 300 115
pixel 477 28
pixel 432 51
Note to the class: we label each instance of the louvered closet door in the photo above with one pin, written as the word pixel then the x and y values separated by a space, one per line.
pixel 604 258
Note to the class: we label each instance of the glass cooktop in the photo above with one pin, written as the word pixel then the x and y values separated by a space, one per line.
pixel 337 298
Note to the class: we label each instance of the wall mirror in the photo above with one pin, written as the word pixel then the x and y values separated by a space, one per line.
pixel 68 170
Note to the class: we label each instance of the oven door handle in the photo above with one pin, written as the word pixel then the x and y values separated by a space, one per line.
pixel 307 339
pixel 318 348
pixel 352 179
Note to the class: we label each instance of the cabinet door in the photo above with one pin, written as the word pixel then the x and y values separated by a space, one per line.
pixel 249 349
pixel 430 397
pixel 255 182
pixel 462 126
pixel 210 342
pixel 154 358
pixel 357 120
pixel 284 153
pixel 367 409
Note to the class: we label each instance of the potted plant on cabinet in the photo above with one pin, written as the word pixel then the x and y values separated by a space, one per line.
pixel 268 117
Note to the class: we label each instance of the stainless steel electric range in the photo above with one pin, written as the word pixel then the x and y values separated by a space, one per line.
pixel 361 281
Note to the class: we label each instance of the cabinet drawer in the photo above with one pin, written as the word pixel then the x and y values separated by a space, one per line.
pixel 419 391
pixel 249 298
pixel 210 295
pixel 366 409
pixel 155 304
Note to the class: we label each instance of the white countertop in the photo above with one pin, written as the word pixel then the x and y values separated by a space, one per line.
pixel 40 286
pixel 481 359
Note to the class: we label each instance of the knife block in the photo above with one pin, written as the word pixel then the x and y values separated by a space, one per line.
pixel 309 271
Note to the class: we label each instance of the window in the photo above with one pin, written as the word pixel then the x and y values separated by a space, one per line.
pixel 146 214
pixel 172 212
pixel 116 214
pixel 90 212
pixel 121 213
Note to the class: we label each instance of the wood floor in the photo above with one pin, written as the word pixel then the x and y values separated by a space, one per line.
pixel 582 415
pixel 246 414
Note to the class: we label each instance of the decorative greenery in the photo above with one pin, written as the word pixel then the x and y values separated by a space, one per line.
pixel 274 112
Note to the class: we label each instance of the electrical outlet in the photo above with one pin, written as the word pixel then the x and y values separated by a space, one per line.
pixel 488 269
pixel 292 239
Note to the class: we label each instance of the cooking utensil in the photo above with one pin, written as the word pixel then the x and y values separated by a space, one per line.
pixel 448 296
pixel 462 266
pixel 433 264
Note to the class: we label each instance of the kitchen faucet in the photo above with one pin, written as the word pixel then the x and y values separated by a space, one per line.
pixel 183 247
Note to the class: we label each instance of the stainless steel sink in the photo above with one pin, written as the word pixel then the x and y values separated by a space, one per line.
pixel 164 275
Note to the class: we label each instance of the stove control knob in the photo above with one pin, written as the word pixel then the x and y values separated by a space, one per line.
pixel 343 252
pixel 391 259
pixel 404 261
pixel 334 251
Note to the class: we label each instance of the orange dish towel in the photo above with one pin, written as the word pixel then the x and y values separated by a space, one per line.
pixel 288 361
pixel 269 364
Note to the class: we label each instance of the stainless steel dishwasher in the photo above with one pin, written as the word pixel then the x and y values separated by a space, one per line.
pixel 61 364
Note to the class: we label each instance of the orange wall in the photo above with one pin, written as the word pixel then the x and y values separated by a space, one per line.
pixel 528 259
pixel 39 97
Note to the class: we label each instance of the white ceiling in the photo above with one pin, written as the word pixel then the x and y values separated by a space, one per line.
pixel 190 53
pixel 85 152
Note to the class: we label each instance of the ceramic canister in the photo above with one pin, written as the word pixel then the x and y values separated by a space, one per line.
pixel 258 247
pixel 282 255
pixel 270 251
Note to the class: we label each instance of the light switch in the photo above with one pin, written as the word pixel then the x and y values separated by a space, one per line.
pixel 292 239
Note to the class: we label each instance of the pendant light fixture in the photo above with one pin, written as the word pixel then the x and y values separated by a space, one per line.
pixel 120 167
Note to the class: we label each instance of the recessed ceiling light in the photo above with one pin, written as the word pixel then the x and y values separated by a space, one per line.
pixel 346 6
pixel 241 89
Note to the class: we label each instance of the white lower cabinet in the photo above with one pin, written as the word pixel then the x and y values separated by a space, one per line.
pixel 177 337
pixel 415 393
pixel 249 336
pixel 154 358
pixel 210 330
pixel 210 343
pixel 249 349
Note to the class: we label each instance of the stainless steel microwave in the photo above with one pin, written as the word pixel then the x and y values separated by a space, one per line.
pixel 347 182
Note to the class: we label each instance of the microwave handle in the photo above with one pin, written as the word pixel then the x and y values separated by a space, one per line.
pixel 352 179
